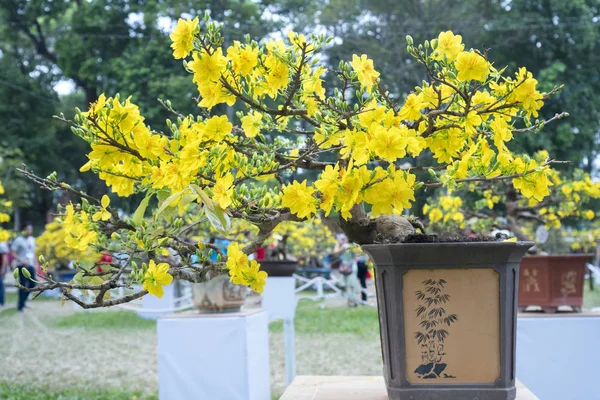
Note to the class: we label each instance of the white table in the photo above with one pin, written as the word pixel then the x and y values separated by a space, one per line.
pixel 353 388
pixel 214 356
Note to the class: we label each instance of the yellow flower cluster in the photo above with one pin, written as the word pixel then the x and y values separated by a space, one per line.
pixel 307 238
pixel 5 207
pixel 243 271
pixel 52 244
pixel 445 211
pixel 79 225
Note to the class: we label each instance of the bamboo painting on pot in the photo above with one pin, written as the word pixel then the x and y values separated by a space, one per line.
pixel 451 325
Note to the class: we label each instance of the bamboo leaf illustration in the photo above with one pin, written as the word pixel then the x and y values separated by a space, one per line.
pixel 444 298
pixel 442 334
pixel 450 319
pixel 420 295
pixel 420 310
pixel 420 337
pixel 428 282
pixel 433 290
pixel 441 282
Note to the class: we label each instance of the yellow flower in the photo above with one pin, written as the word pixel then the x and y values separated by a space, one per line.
pixel 512 239
pixel 217 128
pixel 103 214
pixel 182 37
pixel 435 215
pixel 471 66
pixel 1 188
pixel 208 68
pixel 527 94
pixel 472 121
pixel 589 214
pixel 243 58
pixel 156 277
pixel 388 144
pixel 299 199
pixel 367 76
pixel 447 202
pixel 223 192
pixel 255 278
pixel 237 260
pixel 411 110
pixel 251 124
pixel 449 45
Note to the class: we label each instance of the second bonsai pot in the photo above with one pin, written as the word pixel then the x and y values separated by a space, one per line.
pixel 279 268
pixel 447 316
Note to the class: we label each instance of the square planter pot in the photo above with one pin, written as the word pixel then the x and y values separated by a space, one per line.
pixel 552 281
pixel 447 317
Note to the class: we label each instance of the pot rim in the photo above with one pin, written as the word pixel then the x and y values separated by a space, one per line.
pixel 556 256
pixel 452 244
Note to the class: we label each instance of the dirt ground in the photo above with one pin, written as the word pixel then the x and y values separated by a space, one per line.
pixel 35 351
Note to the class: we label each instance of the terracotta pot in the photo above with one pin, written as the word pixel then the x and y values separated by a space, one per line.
pixel 447 317
pixel 218 295
pixel 552 281
pixel 279 268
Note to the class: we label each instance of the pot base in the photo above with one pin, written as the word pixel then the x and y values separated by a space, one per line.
pixel 452 394
pixel 220 310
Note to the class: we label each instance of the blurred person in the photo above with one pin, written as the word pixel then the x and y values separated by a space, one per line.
pixel 361 274
pixel 3 268
pixel 348 269
pixel 23 252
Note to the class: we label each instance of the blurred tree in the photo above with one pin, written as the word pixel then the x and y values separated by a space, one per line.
pixel 98 46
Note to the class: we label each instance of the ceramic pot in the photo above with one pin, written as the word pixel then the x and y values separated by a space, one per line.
pixel 448 316
pixel 218 295
pixel 279 268
pixel 552 281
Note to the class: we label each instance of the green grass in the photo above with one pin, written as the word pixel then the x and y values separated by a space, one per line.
pixel 591 298
pixel 311 318
pixel 9 391
pixel 12 297
pixel 104 320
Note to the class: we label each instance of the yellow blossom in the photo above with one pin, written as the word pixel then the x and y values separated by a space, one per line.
pixel 299 199
pixel 363 66
pixel 103 214
pixel 448 45
pixel 251 123
pixel 388 144
pixel 182 37
pixel 157 276
pixel 471 66
pixel 223 191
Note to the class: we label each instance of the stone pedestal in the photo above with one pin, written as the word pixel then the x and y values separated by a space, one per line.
pixel 279 297
pixel 279 301
pixel 353 388
pixel 214 356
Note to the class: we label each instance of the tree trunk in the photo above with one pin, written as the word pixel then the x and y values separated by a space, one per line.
pixel 361 229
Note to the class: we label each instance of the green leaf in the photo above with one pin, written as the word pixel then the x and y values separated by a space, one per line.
pixel 138 215
pixel 208 202
pixel 218 218
pixel 168 201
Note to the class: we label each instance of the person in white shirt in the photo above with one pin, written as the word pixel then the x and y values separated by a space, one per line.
pixel 23 251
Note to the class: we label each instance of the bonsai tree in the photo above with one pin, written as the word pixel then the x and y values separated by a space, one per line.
pixel 499 205
pixel 361 142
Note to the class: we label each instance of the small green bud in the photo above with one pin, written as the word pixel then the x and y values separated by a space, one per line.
pixel 409 40
pixel 26 273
